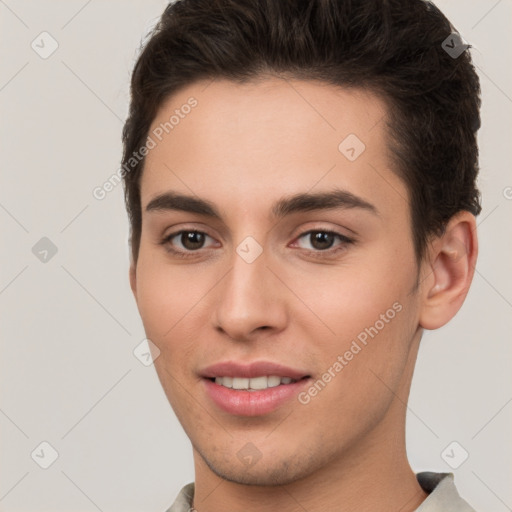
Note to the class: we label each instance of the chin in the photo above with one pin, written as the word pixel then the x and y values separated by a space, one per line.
pixel 264 473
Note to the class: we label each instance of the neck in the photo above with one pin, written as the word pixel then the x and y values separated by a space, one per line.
pixel 374 474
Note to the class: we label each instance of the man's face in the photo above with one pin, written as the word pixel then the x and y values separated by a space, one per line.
pixel 325 292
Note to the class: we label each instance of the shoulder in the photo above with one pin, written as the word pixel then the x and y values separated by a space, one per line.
pixel 183 502
pixel 442 494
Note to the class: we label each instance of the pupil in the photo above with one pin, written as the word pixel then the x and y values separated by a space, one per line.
pixel 321 240
pixel 192 239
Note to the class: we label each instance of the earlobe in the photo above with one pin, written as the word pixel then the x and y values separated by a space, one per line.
pixel 452 260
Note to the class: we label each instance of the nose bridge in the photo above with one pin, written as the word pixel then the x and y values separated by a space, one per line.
pixel 247 299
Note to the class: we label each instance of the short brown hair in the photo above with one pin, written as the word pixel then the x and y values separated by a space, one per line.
pixel 393 48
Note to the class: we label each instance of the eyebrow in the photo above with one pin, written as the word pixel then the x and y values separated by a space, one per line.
pixel 302 202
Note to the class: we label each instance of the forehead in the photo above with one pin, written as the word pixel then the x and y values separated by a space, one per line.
pixel 254 140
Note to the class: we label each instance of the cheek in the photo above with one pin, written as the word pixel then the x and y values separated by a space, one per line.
pixel 348 299
pixel 175 307
pixel 165 295
pixel 362 366
pixel 365 314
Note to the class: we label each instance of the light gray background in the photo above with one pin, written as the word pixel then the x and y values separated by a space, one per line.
pixel 68 375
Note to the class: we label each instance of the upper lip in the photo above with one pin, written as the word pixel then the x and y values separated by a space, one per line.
pixel 250 370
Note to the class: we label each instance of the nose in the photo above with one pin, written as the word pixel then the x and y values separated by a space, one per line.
pixel 249 300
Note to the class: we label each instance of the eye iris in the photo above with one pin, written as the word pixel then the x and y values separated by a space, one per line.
pixel 321 240
pixel 192 239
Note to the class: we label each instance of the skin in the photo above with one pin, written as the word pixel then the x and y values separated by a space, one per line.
pixel 244 147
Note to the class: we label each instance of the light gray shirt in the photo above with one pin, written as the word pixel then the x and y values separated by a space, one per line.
pixel 442 495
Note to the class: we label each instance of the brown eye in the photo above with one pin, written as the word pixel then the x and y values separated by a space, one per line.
pixel 187 241
pixel 321 240
pixel 318 241
pixel 192 240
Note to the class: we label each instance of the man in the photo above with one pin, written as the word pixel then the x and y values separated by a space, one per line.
pixel 300 181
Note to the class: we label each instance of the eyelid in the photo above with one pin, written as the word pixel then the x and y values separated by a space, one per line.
pixel 167 238
pixel 344 239
pixel 340 231
pixel 323 230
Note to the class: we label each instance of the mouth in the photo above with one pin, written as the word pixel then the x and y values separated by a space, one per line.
pixel 254 383
pixel 253 389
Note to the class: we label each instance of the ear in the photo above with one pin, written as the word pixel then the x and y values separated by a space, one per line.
pixel 133 279
pixel 448 271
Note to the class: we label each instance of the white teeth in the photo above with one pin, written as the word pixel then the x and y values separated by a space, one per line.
pixel 259 383
pixel 224 381
pixel 240 383
pixel 274 381
pixel 254 383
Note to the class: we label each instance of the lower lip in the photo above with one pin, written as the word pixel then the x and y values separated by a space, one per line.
pixel 252 403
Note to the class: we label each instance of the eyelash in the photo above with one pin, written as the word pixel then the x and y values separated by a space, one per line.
pixel 315 253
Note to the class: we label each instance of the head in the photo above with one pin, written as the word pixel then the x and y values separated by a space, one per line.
pixel 300 183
